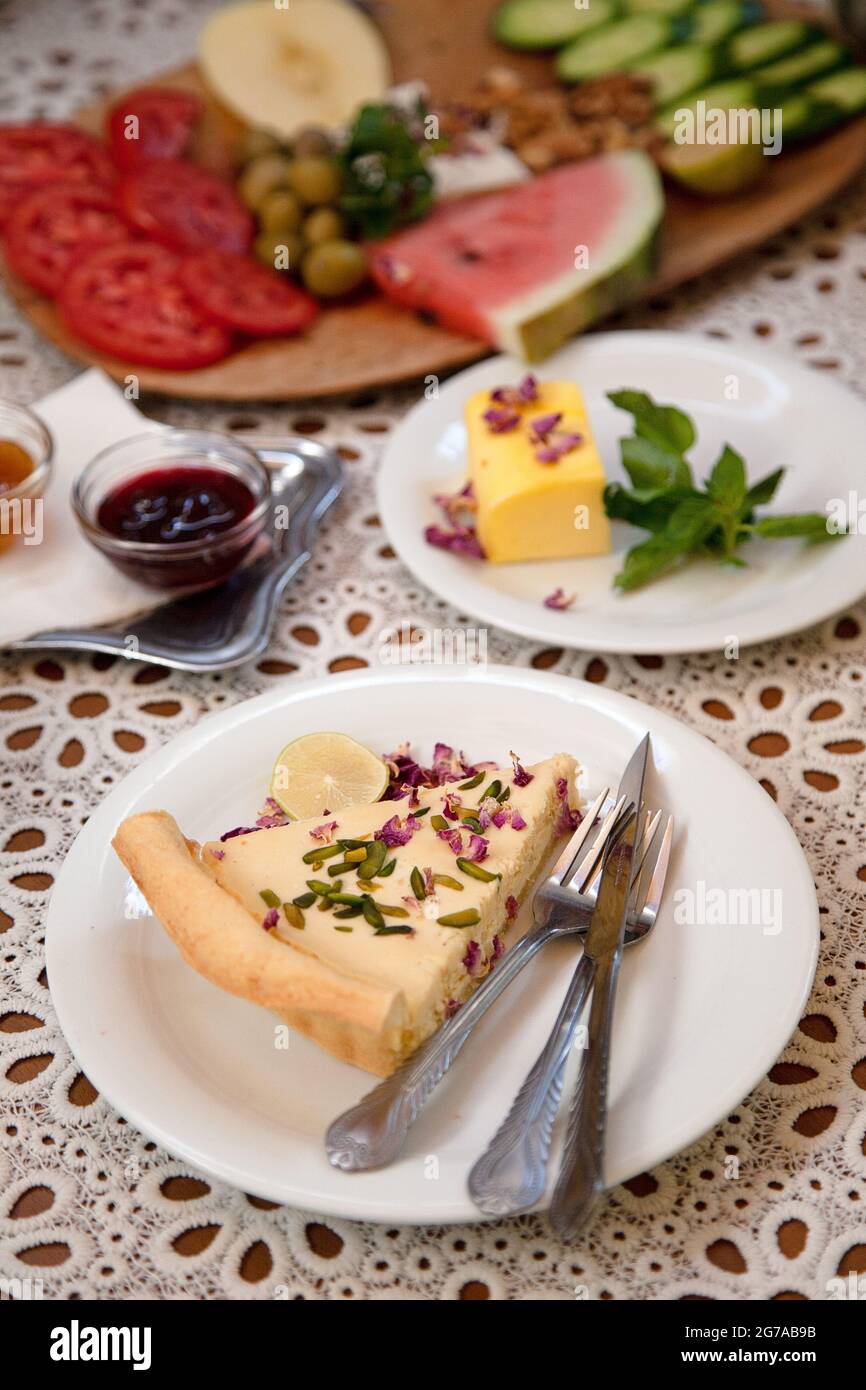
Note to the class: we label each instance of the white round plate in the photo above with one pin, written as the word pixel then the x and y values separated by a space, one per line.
pixel 770 409
pixel 702 1011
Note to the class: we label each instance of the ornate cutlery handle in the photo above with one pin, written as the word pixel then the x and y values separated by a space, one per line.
pixel 581 1175
pixel 511 1174
pixel 372 1133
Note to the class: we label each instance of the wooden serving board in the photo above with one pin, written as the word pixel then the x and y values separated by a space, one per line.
pixel 370 342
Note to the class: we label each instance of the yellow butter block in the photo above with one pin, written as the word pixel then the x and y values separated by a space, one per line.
pixel 528 508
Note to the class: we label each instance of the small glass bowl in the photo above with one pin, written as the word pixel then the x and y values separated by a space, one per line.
pixel 186 565
pixel 20 426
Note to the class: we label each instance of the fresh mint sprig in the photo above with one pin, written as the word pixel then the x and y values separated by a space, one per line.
pixel 684 519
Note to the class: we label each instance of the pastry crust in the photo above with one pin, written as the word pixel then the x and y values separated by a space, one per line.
pixel 224 942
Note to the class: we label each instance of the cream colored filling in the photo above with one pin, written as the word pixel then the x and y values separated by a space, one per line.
pixel 427 968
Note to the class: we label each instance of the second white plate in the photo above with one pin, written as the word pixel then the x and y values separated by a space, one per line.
pixel 772 410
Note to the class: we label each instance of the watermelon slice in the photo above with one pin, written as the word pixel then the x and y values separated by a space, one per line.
pixel 525 268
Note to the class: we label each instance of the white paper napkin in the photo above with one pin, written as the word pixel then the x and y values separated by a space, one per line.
pixel 63 581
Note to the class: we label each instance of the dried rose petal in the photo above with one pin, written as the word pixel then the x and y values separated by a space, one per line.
pixel 218 853
pixel 472 959
pixel 478 848
pixel 396 832
pixel 451 1008
pixel 523 393
pixel 498 944
pixel 270 919
pixel 241 830
pixel 522 778
pixel 543 424
pixel 512 907
pixel 460 542
pixel 453 839
pixel 559 600
pixel 324 832
pixel 500 419
pixel 569 817
pixel 555 447
pixel 517 821
pixel 453 503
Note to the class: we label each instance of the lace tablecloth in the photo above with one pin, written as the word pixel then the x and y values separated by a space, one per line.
pixel 90 1206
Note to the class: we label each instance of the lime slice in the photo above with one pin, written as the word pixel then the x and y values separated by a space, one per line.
pixel 324 772
pixel 714 169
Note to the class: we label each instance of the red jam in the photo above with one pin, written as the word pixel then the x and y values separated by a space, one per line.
pixel 176 505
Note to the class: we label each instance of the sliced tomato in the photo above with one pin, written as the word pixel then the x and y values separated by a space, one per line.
pixel 38 154
pixel 52 228
pixel 127 301
pixel 245 296
pixel 184 207
pixel 151 123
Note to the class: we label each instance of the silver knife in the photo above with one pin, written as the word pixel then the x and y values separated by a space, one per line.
pixel 581 1174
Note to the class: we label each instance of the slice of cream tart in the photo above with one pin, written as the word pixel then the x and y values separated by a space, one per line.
pixel 365 929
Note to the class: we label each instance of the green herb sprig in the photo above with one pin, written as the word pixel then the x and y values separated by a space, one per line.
pixel 684 519
pixel 386 182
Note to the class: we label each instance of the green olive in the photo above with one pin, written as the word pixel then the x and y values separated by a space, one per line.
pixel 280 211
pixel 261 177
pixel 315 178
pixel 312 140
pixel 333 268
pixel 255 142
pixel 324 224
pixel 280 250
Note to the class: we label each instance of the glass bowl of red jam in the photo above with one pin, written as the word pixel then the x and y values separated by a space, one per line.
pixel 26 451
pixel 174 509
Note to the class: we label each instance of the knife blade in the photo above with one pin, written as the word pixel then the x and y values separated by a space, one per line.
pixel 581 1175
pixel 608 920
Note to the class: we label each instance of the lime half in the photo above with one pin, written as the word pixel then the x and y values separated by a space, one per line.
pixel 324 772
pixel 714 169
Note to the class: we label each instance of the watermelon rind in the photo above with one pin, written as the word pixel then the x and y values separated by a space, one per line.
pixel 536 324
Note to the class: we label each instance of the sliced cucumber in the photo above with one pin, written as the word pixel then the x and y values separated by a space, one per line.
pixel 738 94
pixel 764 43
pixel 718 19
pixel 614 47
pixel 810 62
pixel 803 117
pixel 675 71
pixel 539 24
pixel 843 93
pixel 667 7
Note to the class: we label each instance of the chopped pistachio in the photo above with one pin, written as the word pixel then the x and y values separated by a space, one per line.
pixel 293 915
pixel 416 881
pixel 389 910
pixel 372 913
pixel 394 931
pixel 269 897
pixel 374 860
pixel 493 790
pixel 473 782
pixel 439 822
pixel 304 900
pixel 355 856
pixel 313 856
pixel 341 868
pixel 468 866
pixel 446 881
pixel 388 869
pixel 470 918
pixel 316 886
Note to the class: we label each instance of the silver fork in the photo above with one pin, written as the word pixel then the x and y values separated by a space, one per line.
pixel 372 1133
pixel 510 1176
